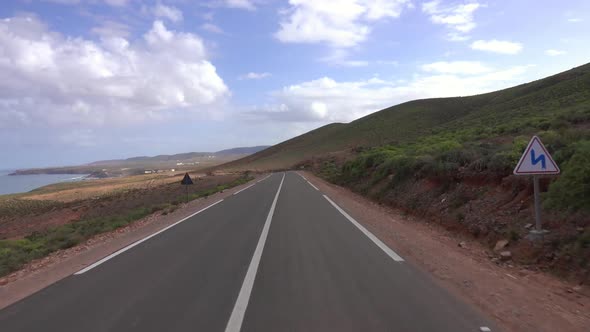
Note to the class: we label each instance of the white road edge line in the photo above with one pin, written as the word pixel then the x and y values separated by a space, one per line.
pixel 311 184
pixel 370 235
pixel 120 251
pixel 239 191
pixel 237 316
pixel 264 178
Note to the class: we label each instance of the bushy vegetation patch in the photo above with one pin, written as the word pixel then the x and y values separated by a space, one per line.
pixel 14 207
pixel 15 253
pixel 485 150
pixel 571 191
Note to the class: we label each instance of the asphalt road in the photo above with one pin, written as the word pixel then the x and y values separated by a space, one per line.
pixel 278 256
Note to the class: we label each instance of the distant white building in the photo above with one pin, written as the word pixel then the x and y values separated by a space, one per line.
pixel 179 164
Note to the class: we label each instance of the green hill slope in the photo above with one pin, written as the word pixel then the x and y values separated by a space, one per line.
pixel 561 99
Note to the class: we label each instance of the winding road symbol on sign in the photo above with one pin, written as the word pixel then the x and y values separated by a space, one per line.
pixel 536 160
pixel 541 158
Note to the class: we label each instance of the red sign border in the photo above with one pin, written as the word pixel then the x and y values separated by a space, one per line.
pixel 526 152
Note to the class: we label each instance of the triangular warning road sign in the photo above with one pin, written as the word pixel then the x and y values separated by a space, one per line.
pixel 536 160
pixel 187 180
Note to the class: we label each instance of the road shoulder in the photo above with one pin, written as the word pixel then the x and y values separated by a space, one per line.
pixel 517 299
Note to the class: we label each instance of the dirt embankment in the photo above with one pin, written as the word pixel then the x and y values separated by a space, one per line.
pixel 502 210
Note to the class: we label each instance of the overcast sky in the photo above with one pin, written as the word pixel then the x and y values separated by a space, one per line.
pixel 84 80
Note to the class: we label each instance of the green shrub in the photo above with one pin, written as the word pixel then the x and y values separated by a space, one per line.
pixel 15 253
pixel 571 190
pixel 330 171
pixel 461 157
pixel 401 167
pixel 559 124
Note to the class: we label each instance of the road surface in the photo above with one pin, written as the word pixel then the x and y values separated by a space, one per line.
pixel 277 256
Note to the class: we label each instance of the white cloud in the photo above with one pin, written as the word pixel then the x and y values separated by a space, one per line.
pixel 171 13
pixel 254 76
pixel 574 20
pixel 457 67
pixel 456 17
pixel 235 4
pixel 339 23
pixel 497 46
pixel 379 9
pixel 352 63
pixel 555 52
pixel 339 57
pixel 110 29
pixel 457 37
pixel 116 3
pixel 212 28
pixel 240 4
pixel 50 79
pixel 64 2
pixel 119 3
pixel 327 100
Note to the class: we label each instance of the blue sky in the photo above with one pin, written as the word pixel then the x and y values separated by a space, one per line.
pixel 85 80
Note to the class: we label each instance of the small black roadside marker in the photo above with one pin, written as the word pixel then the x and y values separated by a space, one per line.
pixel 186 181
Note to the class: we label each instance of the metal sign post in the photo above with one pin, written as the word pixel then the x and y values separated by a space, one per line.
pixel 186 181
pixel 536 161
pixel 538 226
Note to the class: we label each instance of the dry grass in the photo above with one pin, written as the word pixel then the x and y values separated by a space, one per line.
pixel 75 191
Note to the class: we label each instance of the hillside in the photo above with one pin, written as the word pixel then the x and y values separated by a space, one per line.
pixel 241 151
pixel 138 165
pixel 449 161
pixel 180 157
pixel 515 110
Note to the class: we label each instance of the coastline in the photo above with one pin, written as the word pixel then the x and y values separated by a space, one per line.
pixel 23 183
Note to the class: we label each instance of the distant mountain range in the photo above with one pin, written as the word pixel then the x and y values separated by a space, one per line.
pixel 138 165
pixel 180 157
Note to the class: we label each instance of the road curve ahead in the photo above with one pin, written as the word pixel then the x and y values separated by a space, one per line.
pixel 277 256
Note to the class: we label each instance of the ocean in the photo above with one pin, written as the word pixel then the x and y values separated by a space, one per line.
pixel 24 183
